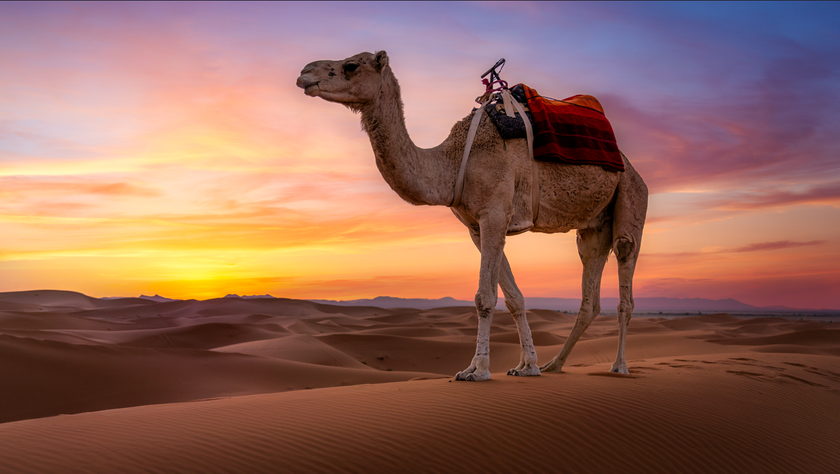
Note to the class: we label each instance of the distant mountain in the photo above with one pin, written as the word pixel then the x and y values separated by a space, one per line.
pixel 161 299
pixel 52 298
pixel 390 302
pixel 157 298
pixel 648 304
pixel 61 300
pixel 608 305
pixel 248 297
pixel 71 299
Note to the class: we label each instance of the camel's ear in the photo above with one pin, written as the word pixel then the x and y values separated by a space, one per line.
pixel 380 61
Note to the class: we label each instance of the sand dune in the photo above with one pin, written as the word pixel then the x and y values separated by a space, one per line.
pixel 263 385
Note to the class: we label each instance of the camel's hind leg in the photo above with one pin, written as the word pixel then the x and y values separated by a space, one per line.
pixel 628 224
pixel 593 246
pixel 626 252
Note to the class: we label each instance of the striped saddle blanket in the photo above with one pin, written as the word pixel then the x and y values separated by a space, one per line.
pixel 573 130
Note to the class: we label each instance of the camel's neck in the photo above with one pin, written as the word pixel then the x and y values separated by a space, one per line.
pixel 420 176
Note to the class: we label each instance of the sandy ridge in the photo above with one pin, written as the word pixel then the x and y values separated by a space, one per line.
pixel 561 423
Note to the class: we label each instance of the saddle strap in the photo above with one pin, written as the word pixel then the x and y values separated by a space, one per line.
pixel 508 100
pixel 529 132
pixel 535 170
pixel 459 181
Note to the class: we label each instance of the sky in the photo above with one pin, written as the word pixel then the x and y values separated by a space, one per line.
pixel 164 148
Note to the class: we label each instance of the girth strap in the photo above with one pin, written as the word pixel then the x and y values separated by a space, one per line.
pixel 535 170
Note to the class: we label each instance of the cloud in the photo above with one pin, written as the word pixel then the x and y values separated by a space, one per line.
pixel 411 285
pixel 16 188
pixel 251 230
pixel 754 247
pixel 715 105
pixel 824 194
pixel 782 244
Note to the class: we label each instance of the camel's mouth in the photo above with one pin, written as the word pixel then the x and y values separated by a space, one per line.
pixel 312 90
pixel 308 84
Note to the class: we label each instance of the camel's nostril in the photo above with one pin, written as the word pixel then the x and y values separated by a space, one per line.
pixel 305 81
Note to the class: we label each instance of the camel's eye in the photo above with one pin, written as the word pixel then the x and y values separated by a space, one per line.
pixel 350 67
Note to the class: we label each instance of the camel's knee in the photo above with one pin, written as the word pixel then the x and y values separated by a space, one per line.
pixel 589 307
pixel 484 304
pixel 624 249
pixel 625 312
pixel 580 327
pixel 516 305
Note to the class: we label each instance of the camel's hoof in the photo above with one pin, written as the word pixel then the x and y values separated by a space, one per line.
pixel 620 370
pixel 472 377
pixel 532 371
pixel 551 367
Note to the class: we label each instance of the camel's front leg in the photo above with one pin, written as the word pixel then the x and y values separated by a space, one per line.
pixel 492 244
pixel 515 303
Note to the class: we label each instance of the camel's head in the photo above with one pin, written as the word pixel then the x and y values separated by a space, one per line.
pixel 354 81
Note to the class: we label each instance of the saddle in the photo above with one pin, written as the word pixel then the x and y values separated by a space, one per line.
pixel 509 127
pixel 573 130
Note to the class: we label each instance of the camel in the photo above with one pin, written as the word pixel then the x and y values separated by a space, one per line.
pixel 606 208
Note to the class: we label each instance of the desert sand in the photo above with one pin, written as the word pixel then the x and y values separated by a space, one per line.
pixel 276 385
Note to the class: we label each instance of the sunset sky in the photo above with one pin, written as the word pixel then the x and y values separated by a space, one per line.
pixel 164 148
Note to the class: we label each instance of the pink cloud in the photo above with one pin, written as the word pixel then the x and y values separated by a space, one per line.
pixel 755 247
pixel 826 194
pixel 20 186
pixel 783 244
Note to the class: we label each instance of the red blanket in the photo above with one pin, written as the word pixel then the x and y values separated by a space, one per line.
pixel 573 130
